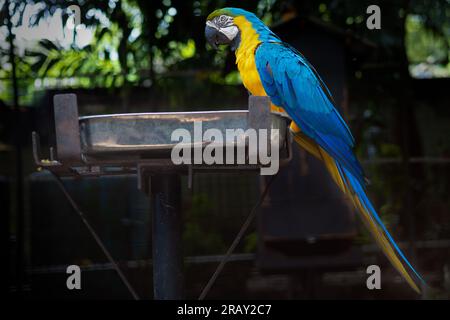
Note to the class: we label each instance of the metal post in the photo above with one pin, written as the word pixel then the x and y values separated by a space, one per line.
pixel 165 200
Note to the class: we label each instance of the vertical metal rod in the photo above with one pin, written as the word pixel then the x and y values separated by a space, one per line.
pixel 165 200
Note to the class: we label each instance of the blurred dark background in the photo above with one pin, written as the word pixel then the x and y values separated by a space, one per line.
pixel 141 56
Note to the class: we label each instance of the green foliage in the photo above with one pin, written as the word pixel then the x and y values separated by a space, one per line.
pixel 428 51
pixel 92 63
pixel 137 40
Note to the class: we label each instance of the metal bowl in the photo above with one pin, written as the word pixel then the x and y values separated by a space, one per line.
pixel 150 133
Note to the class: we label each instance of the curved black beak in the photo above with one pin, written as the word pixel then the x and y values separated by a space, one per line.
pixel 211 35
pixel 215 37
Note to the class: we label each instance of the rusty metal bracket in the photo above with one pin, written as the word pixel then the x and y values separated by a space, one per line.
pixel 67 133
pixel 67 128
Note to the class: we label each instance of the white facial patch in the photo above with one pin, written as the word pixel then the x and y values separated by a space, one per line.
pixel 225 25
pixel 230 32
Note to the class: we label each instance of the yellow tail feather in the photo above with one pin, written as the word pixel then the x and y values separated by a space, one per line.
pixel 367 219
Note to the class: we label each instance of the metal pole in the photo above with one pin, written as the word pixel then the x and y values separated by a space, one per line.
pixel 165 200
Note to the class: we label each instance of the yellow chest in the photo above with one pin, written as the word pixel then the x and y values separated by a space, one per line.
pixel 250 77
pixel 249 74
pixel 245 57
pixel 245 60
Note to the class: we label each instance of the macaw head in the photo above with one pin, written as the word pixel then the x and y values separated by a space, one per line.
pixel 229 26
pixel 221 28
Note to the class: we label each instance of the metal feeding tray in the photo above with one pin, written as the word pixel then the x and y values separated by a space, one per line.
pixel 148 135
pixel 121 143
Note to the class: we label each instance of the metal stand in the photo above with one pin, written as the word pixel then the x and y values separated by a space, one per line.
pixel 141 144
pixel 165 201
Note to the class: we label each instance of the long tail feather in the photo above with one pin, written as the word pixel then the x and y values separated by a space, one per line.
pixel 379 231
pixel 353 188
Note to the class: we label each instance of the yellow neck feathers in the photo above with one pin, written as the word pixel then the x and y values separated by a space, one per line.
pixel 245 57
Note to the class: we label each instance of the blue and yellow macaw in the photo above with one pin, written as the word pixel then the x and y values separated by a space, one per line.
pixel 270 67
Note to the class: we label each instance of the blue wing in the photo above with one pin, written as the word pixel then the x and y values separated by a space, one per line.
pixel 292 83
